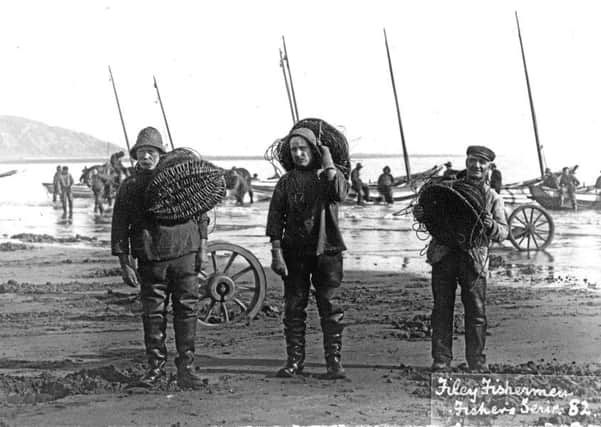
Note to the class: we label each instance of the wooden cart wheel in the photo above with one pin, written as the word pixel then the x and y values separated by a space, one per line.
pixel 531 228
pixel 232 287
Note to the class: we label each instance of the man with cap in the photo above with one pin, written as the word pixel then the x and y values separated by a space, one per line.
pixel 598 183
pixel 551 179
pixel 469 268
pixel 65 185
pixel 307 248
pixel 55 183
pixel 567 187
pixel 496 178
pixel 449 172
pixel 360 188
pixel 385 181
pixel 169 257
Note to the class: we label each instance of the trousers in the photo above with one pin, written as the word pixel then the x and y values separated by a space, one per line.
pixel 325 273
pixel 457 268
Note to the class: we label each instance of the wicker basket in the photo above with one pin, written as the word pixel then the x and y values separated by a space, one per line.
pixel 183 187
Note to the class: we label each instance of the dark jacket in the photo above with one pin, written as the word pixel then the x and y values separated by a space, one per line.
pixel 137 232
pixel 303 212
pixel 385 180
pixel 479 255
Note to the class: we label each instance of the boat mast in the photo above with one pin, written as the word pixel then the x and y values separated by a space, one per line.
pixel 287 88
pixel 398 111
pixel 156 86
pixel 120 114
pixel 290 78
pixel 538 146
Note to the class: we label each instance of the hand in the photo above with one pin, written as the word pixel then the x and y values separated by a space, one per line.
pixel 202 258
pixel 130 276
pixel 326 156
pixel 278 265
pixel 487 220
pixel 418 213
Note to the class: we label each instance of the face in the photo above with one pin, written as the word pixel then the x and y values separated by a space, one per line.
pixel 477 168
pixel 300 152
pixel 148 157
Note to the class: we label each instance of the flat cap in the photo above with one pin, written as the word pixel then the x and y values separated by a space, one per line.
pixel 481 151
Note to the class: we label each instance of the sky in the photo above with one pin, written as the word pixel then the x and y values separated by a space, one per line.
pixel 457 65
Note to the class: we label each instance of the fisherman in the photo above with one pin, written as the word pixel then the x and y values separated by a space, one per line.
pixel 307 247
pixel 567 187
pixel 385 181
pixel 358 186
pixel 97 184
pixel 118 171
pixel 598 183
pixel 551 179
pixel 65 184
pixel 452 265
pixel 169 257
pixel 55 184
pixel 449 172
pixel 496 178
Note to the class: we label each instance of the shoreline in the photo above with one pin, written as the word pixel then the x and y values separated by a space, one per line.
pixel 68 319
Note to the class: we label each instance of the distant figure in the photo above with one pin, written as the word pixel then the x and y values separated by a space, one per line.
pixel 449 172
pixel 98 182
pixel 239 181
pixel 598 183
pixel 358 186
pixel 551 179
pixel 56 191
pixel 385 181
pixel 496 178
pixel 65 182
pixel 118 172
pixel 567 186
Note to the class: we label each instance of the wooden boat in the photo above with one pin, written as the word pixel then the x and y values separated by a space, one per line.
pixel 586 198
pixel 8 173
pixel 79 191
pixel 419 176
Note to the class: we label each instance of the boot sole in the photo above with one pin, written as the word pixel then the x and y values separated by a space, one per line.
pixel 283 374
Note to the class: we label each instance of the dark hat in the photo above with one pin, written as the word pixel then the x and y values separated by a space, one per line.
pixel 481 151
pixel 148 137
pixel 359 166
pixel 448 164
pixel 386 169
pixel 305 133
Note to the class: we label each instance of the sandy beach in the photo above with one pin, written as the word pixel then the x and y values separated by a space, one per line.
pixel 72 342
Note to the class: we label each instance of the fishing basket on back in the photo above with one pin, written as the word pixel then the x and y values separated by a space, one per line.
pixel 329 136
pixel 183 187
pixel 453 214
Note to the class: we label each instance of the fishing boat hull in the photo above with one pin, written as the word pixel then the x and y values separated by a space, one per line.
pixel 80 191
pixel 549 198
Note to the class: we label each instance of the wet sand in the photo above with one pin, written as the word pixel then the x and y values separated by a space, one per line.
pixel 72 342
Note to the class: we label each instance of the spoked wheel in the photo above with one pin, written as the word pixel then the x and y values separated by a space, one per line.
pixel 531 228
pixel 232 287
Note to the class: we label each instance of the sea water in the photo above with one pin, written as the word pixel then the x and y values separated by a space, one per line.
pixel 377 236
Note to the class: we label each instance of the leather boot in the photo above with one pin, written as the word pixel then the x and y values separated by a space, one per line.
pixel 332 349
pixel 331 327
pixel 294 332
pixel 154 339
pixel 185 333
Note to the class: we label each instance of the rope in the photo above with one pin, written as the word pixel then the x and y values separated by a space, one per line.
pixel 472 201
